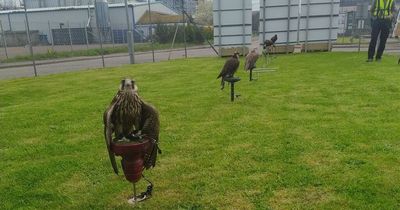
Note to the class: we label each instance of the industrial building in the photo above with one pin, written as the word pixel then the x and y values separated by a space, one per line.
pixel 176 5
pixel 51 22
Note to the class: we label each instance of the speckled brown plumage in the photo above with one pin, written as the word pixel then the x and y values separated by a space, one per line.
pixel 230 67
pixel 251 60
pixel 129 115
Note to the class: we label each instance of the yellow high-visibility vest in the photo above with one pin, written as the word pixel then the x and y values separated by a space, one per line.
pixel 383 10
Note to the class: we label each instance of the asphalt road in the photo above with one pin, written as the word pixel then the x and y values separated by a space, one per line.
pixel 75 64
pixel 82 63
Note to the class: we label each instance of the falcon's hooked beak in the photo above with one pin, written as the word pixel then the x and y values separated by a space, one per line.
pixel 128 84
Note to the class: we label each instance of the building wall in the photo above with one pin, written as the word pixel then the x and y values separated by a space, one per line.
pixel 75 17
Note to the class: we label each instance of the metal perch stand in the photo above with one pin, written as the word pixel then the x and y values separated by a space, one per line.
pixel 232 81
pixel 264 69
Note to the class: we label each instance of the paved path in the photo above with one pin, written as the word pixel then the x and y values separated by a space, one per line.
pixel 25 69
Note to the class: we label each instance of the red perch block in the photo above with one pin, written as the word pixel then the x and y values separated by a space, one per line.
pixel 133 157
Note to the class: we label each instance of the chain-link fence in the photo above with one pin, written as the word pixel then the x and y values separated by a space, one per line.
pixel 94 33
pixel 355 22
pixel 101 33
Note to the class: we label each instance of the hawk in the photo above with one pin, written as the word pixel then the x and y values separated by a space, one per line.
pixel 251 60
pixel 129 118
pixel 229 69
pixel 271 42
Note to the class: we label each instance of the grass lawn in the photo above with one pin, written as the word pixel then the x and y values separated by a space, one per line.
pixel 320 133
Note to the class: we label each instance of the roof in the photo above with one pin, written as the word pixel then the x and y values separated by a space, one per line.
pixel 74 7
pixel 158 17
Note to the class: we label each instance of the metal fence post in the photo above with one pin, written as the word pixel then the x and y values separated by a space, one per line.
pixel 288 27
pixel 28 35
pixel 330 27
pixel 112 36
pixel 4 39
pixel 130 37
pixel 184 26
pixel 263 21
pixel 298 22
pixel 219 28
pixel 51 36
pixel 307 24
pixel 243 26
pixel 69 34
pixel 151 30
pixel 86 38
pixel 101 46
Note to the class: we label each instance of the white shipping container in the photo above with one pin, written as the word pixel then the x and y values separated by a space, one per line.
pixel 232 24
pixel 317 21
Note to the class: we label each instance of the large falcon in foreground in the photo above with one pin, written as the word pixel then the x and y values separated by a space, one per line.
pixel 229 69
pixel 129 118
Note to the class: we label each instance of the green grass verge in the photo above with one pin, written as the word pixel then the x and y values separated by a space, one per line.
pixel 348 40
pixel 139 47
pixel 322 132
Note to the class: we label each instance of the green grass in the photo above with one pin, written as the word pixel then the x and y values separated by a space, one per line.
pixel 320 133
pixel 50 54
pixel 347 40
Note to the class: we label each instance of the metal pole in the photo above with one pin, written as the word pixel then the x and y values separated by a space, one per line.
pixel 86 38
pixel 263 22
pixel 9 21
pixel 232 91
pixel 51 36
pixel 359 42
pixel 134 192
pixel 288 27
pixel 130 38
pixel 28 35
pixel 330 28
pixel 184 26
pixel 219 28
pixel 243 26
pixel 69 34
pixel 112 36
pixel 298 22
pixel 173 41
pixel 4 39
pixel 307 24
pixel 151 30
pixel 101 46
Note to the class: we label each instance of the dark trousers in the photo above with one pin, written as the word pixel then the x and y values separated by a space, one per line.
pixel 382 27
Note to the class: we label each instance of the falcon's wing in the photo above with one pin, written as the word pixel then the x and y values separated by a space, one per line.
pixel 150 127
pixel 246 62
pixel 234 65
pixel 253 60
pixel 224 70
pixel 108 130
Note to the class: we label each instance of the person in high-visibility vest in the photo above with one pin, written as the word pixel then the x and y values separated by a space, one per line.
pixel 382 15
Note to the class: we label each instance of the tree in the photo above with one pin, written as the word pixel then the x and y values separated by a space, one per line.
pixel 204 14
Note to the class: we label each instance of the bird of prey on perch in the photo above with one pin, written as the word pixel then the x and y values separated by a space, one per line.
pixel 270 43
pixel 251 60
pixel 129 118
pixel 229 69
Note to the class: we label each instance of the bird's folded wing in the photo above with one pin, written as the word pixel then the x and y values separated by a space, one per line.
pixel 108 130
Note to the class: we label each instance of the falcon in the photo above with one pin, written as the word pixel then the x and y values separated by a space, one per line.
pixel 229 69
pixel 129 118
pixel 270 43
pixel 251 60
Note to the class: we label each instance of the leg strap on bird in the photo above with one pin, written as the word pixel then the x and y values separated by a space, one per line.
pixel 146 194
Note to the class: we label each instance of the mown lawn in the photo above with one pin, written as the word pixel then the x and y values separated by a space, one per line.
pixel 323 132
